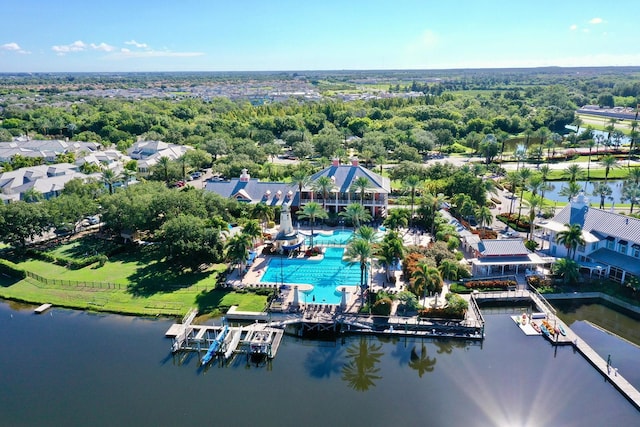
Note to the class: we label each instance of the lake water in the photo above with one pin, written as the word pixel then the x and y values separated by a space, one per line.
pixel 72 368
pixel 616 191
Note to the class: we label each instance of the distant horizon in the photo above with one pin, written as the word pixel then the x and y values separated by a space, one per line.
pixel 326 70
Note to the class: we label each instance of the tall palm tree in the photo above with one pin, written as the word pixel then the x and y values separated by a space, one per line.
pixel 109 178
pixel 425 278
pixel 535 183
pixel 301 179
pixel 367 233
pixel 573 172
pixel 577 122
pixel 590 143
pixel 356 213
pixel 568 269
pixel 633 135
pixel 397 218
pixel 359 251
pixel 263 212
pixel 549 145
pixel 448 269
pixel 411 183
pixel 252 229
pixel 571 238
pixel 570 191
pixel 391 251
pixel 535 202
pixel 360 185
pixel 163 164
pixel 525 174
pixel 603 190
pixel 545 171
pixel 631 192
pixel 237 250
pixel 634 175
pixel 610 128
pixel 312 211
pixel 324 185
pixel 484 217
pixel 608 162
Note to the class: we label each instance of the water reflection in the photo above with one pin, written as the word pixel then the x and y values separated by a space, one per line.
pixel 422 362
pixel 361 371
pixel 323 362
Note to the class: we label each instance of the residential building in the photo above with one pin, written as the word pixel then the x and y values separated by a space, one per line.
pixel 611 241
pixel 147 153
pixel 252 190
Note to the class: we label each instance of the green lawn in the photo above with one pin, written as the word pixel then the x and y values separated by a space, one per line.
pixel 594 173
pixel 141 283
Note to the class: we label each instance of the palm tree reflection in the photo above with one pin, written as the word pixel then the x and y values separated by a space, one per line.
pixel 421 363
pixel 360 371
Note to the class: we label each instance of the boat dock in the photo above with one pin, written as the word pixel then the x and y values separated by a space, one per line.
pixel 42 308
pixel 224 341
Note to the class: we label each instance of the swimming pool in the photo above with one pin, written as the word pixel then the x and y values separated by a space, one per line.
pixel 327 276
pixel 337 238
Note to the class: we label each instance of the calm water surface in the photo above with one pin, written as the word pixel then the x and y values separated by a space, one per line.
pixel 71 368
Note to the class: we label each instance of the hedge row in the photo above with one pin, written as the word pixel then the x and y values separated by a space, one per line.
pixel 11 271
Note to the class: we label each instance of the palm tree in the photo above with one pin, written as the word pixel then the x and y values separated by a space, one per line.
pixel 163 164
pixel 571 238
pixel 570 191
pixel 535 183
pixel 484 217
pixel 549 145
pixel 391 251
pixel 301 179
pixel 32 195
pixel 109 178
pixel 610 128
pixel 574 172
pixel 263 212
pixel 366 233
pixel 525 174
pixel 631 192
pixel 360 184
pixel 356 213
pixel 411 183
pixel 608 162
pixel 634 175
pixel 252 229
pixel 312 211
pixel 590 143
pixel 397 218
pixel 513 180
pixel 535 202
pixel 237 249
pixel 603 190
pixel 425 278
pixel 448 269
pixel 568 269
pixel 633 135
pixel 324 185
pixel 577 122
pixel 545 171
pixel 127 176
pixel 360 251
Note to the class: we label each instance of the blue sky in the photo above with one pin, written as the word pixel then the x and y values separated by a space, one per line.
pixel 238 35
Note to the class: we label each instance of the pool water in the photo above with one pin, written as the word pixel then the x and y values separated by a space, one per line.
pixel 338 237
pixel 327 275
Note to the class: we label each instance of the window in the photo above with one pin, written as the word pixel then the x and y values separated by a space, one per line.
pixel 594 246
pixel 611 243
pixel 635 250
pixel 622 246
pixel 581 248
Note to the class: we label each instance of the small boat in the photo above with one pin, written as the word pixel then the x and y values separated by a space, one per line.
pixel 545 331
pixel 523 319
pixel 536 327
pixel 562 331
pixel 215 345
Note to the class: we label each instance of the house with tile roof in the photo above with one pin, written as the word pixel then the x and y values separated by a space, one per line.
pixel 342 194
pixel 612 241
pixel 252 190
pixel 147 153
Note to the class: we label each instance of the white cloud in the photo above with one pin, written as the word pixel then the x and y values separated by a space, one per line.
pixel 102 47
pixel 125 50
pixel 573 27
pixel 596 21
pixel 13 47
pixel 76 46
pixel 136 44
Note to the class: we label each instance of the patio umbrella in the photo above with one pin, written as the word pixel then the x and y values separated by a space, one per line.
pixel 343 301
pixel 295 302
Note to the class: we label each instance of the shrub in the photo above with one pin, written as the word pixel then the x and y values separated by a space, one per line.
pixel 315 251
pixel 11 271
pixel 382 307
pixel 490 284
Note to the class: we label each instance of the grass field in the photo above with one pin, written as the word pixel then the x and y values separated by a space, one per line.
pixel 137 281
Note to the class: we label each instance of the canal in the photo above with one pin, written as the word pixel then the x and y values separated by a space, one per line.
pixel 73 368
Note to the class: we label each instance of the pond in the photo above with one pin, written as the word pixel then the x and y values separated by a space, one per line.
pixel 614 184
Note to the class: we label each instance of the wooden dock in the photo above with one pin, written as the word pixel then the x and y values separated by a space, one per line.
pixel 42 308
